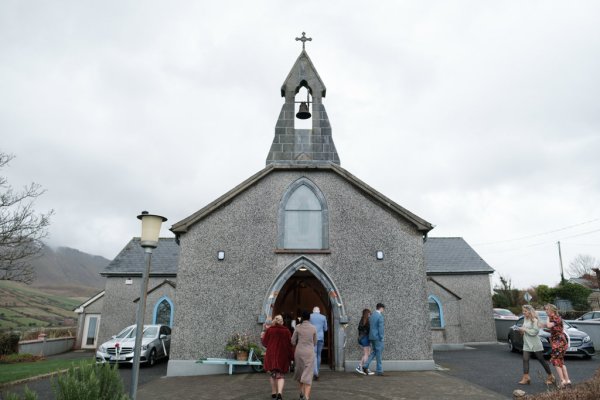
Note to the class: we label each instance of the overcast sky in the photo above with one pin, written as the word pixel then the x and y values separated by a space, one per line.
pixel 482 117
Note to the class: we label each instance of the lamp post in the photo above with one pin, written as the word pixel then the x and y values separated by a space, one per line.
pixel 149 240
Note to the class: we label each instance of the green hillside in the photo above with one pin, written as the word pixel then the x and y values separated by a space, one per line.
pixel 24 307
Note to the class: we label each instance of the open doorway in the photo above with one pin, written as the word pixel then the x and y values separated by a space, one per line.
pixel 304 291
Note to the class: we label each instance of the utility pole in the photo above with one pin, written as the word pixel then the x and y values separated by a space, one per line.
pixel 597 271
pixel 562 275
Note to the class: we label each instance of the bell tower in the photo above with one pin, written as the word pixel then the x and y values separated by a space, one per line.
pixel 303 146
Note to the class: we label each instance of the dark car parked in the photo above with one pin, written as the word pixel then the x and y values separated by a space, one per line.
pixel 579 342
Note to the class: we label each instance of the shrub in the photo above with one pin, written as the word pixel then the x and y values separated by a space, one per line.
pixel 9 343
pixel 17 358
pixel 28 395
pixel 89 382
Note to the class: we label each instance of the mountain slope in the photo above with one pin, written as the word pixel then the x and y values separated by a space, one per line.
pixel 22 306
pixel 69 272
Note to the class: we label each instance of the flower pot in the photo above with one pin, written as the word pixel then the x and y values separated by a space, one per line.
pixel 242 356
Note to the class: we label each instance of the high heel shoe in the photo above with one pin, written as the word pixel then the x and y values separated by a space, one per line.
pixel 550 379
pixel 525 380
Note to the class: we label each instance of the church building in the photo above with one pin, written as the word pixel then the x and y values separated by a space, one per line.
pixel 300 233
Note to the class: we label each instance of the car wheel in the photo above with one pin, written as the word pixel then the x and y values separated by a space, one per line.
pixel 511 346
pixel 152 358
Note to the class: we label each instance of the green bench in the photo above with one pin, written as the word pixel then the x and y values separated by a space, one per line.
pixel 252 360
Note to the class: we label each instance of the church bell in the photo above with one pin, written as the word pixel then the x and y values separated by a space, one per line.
pixel 303 112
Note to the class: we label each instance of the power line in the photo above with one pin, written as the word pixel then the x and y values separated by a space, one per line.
pixel 540 243
pixel 543 233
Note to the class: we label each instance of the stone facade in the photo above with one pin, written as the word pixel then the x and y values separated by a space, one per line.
pixel 247 231
pixel 471 316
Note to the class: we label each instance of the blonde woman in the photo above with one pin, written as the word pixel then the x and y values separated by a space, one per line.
pixel 278 356
pixel 559 342
pixel 532 344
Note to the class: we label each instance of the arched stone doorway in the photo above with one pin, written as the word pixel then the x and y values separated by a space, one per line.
pixel 297 287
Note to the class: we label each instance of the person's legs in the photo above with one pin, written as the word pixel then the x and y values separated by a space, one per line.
pixel 318 350
pixel 273 382
pixel 307 388
pixel 371 356
pixel 559 371
pixel 526 356
pixel 378 356
pixel 565 374
pixel 540 356
pixel 280 383
pixel 365 357
pixel 525 380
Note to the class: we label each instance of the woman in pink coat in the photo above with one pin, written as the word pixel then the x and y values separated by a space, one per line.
pixel 305 339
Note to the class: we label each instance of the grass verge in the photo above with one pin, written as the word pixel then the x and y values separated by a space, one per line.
pixel 15 372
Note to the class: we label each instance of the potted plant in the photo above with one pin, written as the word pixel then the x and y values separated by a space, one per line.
pixel 240 344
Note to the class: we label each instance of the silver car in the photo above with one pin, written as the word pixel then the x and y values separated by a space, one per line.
pixel 156 344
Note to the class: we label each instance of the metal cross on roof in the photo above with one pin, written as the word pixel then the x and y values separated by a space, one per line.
pixel 304 39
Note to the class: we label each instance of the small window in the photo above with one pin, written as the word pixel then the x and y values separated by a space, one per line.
pixel 163 313
pixel 435 313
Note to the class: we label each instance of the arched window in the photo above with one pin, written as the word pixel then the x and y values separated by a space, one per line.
pixel 303 217
pixel 163 312
pixel 436 315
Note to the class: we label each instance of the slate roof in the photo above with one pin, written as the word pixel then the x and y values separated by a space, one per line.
pixel 131 261
pixel 442 256
pixel 453 255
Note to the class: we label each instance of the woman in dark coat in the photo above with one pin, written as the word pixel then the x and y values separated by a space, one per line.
pixel 277 340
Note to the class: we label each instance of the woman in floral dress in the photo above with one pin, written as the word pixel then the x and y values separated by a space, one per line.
pixel 559 342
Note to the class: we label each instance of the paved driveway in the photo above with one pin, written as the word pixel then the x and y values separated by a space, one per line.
pixel 497 369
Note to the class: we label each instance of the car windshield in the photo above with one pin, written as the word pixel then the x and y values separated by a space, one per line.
pixel 544 318
pixel 502 311
pixel 129 332
pixel 126 333
pixel 150 332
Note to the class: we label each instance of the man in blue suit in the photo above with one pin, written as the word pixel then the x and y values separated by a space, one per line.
pixel 376 332
pixel 320 323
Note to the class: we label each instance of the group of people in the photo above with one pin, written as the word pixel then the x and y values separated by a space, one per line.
pixel 305 345
pixel 532 344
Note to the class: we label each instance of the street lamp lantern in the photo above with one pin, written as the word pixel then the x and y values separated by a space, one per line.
pixel 150 231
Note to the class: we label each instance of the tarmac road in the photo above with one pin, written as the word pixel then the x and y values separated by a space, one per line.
pixel 494 367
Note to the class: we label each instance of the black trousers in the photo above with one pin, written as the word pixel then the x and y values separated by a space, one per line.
pixel 541 359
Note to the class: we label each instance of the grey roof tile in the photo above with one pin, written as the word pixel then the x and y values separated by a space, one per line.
pixel 453 255
pixel 131 260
